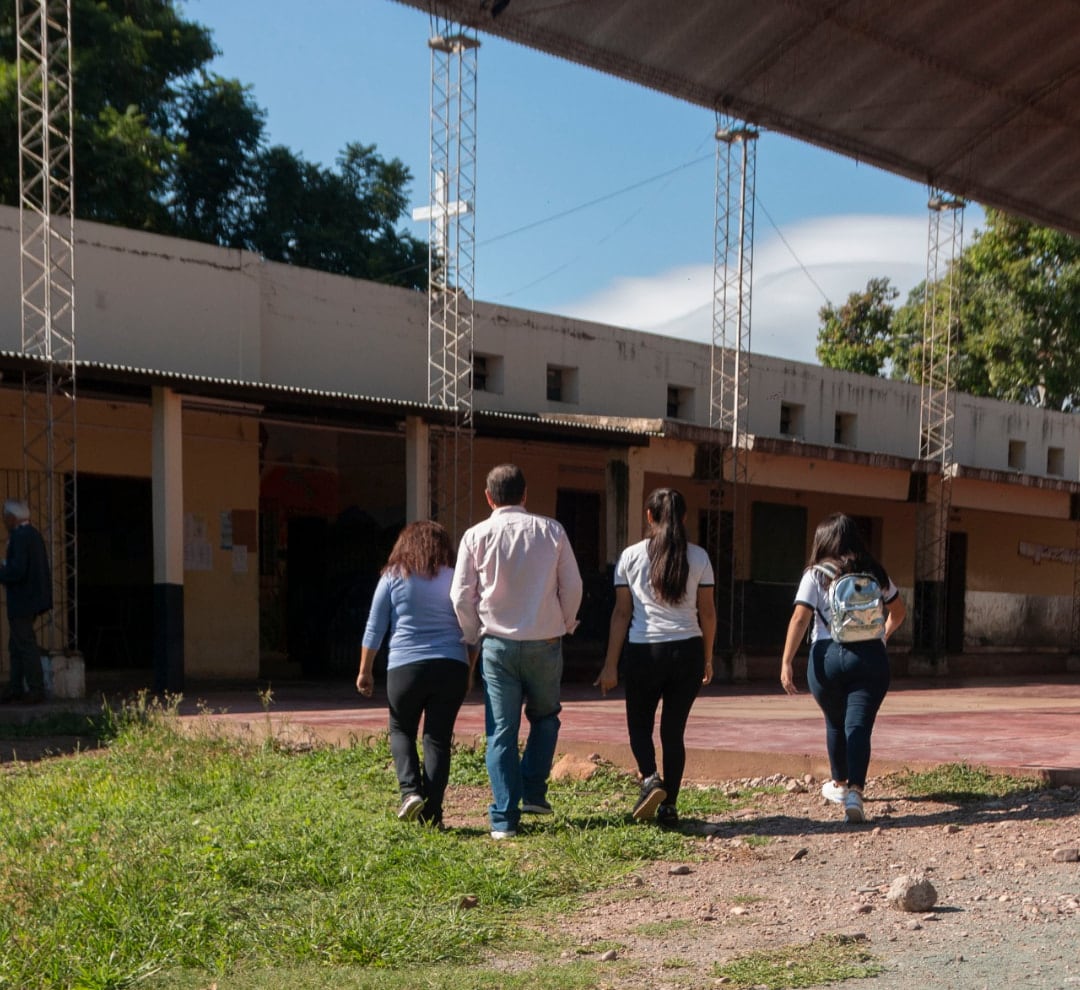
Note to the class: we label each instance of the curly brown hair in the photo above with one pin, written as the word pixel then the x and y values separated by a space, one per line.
pixel 421 549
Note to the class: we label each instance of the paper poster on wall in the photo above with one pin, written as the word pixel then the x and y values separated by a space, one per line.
pixel 198 553
pixel 227 530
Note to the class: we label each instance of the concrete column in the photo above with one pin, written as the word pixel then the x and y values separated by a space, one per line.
pixel 168 497
pixel 635 494
pixel 417 469
pixel 617 490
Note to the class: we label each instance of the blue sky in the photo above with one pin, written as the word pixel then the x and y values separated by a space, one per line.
pixel 553 137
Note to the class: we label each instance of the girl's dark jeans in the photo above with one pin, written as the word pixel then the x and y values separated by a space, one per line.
pixel 849 681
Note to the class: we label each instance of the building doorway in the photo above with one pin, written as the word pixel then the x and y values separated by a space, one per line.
pixel 115 532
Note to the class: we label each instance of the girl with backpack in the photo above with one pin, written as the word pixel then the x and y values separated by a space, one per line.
pixel 854 608
pixel 664 599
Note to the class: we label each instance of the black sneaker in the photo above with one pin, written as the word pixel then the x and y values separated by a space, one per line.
pixel 540 807
pixel 652 796
pixel 667 816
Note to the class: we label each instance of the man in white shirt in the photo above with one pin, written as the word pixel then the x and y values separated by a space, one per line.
pixel 517 590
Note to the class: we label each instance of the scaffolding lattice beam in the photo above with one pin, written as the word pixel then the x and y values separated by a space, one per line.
pixel 451 267
pixel 47 277
pixel 733 257
pixel 940 327
pixel 1074 618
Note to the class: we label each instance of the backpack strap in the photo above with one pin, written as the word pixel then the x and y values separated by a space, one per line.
pixel 831 573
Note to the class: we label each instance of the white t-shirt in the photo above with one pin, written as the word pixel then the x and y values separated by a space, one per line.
pixel 813 594
pixel 654 621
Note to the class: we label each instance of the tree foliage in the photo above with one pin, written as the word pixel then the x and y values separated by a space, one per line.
pixel 1022 304
pixel 164 145
pixel 1016 334
pixel 856 337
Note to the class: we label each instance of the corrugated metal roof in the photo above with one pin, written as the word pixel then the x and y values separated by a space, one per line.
pixel 92 376
pixel 981 99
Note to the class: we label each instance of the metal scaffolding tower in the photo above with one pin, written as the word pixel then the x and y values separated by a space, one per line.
pixel 47 274
pixel 940 324
pixel 733 259
pixel 451 267
pixel 1074 623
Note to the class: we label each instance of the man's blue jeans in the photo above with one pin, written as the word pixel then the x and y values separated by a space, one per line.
pixel 520 672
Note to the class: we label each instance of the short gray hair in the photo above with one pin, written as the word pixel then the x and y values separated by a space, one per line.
pixel 20 510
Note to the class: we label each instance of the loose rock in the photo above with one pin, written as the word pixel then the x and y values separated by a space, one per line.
pixel 912 893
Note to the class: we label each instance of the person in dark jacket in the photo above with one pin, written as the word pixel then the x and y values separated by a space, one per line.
pixel 25 573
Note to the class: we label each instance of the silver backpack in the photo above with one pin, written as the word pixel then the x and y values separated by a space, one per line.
pixel 856 606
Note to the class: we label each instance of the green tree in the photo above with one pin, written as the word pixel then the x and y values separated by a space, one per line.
pixel 1017 330
pixel 161 144
pixel 216 171
pixel 131 60
pixel 1022 311
pixel 337 221
pixel 857 335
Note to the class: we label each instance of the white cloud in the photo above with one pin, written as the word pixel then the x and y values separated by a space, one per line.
pixel 839 254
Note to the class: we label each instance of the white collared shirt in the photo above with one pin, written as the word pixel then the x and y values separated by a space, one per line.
pixel 516 578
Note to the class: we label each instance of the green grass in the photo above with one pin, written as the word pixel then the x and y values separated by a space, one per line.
pixel 658 929
pixel 959 783
pixel 829 959
pixel 173 860
pixel 170 860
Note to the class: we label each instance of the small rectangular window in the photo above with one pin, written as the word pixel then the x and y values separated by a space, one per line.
pixel 679 402
pixel 1055 461
pixel 1017 455
pixel 791 419
pixel 554 384
pixel 562 384
pixel 844 429
pixel 488 373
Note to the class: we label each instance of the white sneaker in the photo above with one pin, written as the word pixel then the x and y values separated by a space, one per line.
pixel 853 809
pixel 410 808
pixel 834 792
pixel 501 834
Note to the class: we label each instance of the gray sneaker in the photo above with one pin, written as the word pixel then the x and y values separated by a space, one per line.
pixel 853 808
pixel 410 807
pixel 653 794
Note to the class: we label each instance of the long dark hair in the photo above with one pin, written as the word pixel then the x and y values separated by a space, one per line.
pixel 837 541
pixel 421 549
pixel 668 567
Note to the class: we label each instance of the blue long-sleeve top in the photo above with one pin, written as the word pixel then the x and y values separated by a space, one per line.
pixel 419 617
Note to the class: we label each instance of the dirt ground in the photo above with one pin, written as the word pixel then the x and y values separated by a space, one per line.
pixel 788 869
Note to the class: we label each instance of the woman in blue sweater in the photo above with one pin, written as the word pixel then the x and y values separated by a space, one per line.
pixel 429 668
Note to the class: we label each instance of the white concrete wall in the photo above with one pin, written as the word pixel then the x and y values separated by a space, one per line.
pixel 173 305
pixel 986 427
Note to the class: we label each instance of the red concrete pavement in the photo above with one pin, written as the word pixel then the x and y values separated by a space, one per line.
pixel 1031 726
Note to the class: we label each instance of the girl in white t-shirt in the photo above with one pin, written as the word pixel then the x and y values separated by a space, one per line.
pixel 664 600
pixel 848 680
